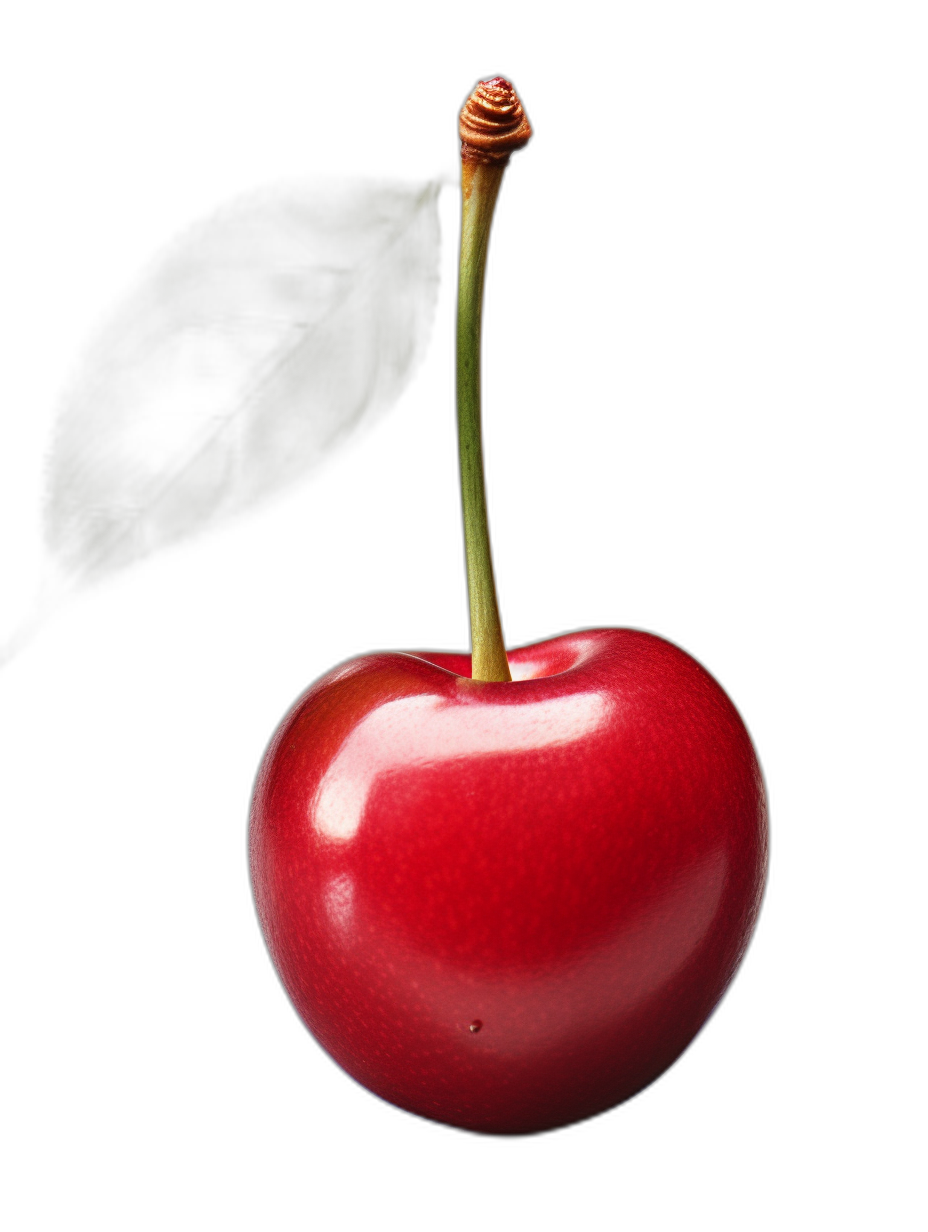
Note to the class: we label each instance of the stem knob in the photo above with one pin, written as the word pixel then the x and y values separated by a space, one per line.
pixel 493 123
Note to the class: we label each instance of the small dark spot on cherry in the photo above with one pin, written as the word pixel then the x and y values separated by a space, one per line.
pixel 475 1026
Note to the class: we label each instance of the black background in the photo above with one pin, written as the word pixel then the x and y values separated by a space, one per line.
pixel 648 419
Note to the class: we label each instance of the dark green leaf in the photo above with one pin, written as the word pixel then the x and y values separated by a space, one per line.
pixel 255 344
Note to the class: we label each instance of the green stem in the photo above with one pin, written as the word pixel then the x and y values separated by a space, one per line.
pixel 480 185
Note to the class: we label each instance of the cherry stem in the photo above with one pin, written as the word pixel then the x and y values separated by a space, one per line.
pixel 479 185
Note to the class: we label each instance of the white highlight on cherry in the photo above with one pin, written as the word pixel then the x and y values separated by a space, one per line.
pixel 413 731
pixel 339 901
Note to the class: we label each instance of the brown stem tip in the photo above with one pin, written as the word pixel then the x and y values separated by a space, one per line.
pixel 493 123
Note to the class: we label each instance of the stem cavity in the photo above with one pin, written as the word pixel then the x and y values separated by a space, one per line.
pixel 492 125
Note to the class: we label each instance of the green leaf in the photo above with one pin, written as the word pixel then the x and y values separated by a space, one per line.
pixel 254 345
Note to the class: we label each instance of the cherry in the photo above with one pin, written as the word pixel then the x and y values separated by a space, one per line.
pixel 510 906
pixel 505 891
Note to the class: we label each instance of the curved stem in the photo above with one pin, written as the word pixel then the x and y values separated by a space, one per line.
pixel 480 185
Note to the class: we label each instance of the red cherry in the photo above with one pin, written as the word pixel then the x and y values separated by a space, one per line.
pixel 509 906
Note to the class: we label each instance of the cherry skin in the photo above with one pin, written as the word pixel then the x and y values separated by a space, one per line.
pixel 510 906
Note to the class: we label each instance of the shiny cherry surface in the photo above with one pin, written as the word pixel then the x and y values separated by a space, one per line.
pixel 510 906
